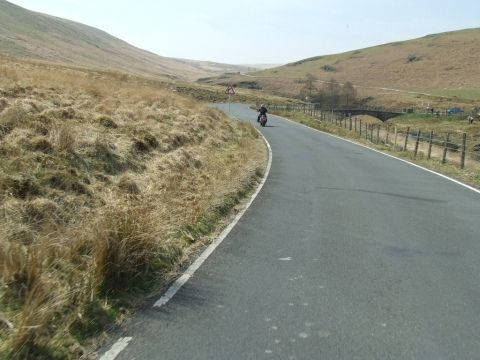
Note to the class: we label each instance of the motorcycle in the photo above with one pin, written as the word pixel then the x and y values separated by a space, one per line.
pixel 262 120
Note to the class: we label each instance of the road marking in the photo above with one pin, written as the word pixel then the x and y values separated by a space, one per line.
pixel 285 259
pixel 177 285
pixel 122 343
pixel 385 154
pixel 116 348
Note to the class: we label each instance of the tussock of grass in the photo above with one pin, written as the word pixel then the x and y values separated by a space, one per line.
pixel 125 248
pixel 99 176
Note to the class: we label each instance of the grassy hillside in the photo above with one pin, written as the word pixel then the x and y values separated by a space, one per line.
pixel 107 182
pixel 32 35
pixel 440 65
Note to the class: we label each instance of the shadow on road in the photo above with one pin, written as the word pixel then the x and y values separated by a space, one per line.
pixel 408 197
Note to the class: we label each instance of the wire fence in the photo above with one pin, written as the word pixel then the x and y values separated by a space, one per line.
pixel 449 112
pixel 458 148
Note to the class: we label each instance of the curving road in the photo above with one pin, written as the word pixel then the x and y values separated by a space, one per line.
pixel 345 254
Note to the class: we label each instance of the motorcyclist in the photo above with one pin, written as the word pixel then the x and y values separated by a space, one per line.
pixel 262 111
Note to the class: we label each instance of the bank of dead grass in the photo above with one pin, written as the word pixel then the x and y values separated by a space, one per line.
pixel 100 173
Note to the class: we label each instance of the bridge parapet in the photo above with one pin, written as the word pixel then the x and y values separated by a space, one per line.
pixel 382 115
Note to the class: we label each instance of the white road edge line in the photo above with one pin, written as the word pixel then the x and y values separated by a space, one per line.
pixel 209 250
pixel 385 154
pixel 116 348
pixel 122 343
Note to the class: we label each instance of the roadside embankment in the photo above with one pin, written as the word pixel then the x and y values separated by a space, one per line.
pixel 107 183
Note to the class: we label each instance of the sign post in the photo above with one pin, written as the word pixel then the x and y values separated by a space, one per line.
pixel 230 91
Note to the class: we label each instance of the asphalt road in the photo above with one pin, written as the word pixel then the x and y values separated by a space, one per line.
pixel 345 254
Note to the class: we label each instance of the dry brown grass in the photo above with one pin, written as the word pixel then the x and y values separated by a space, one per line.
pixel 99 175
pixel 31 35
pixel 447 68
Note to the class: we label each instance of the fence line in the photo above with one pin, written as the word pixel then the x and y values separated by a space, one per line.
pixel 312 109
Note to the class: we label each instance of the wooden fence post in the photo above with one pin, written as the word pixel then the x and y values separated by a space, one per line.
pixel 371 133
pixel 388 134
pixel 464 150
pixel 445 148
pixel 395 141
pixel 378 134
pixel 417 142
pixel 406 139
pixel 350 118
pixel 360 127
pixel 355 124
pixel 430 143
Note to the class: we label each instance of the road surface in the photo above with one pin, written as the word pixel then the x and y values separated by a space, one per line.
pixel 345 254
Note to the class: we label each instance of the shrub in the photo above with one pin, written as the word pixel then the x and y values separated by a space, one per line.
pixel 413 58
pixel 329 68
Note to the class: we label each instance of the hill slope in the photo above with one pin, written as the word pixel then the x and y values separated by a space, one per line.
pixel 85 153
pixel 440 64
pixel 32 35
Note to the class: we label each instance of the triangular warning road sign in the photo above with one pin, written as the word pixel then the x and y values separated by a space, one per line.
pixel 230 90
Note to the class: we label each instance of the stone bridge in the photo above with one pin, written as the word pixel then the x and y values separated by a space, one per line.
pixel 383 115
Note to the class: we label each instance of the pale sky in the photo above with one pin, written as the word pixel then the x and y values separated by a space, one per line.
pixel 262 31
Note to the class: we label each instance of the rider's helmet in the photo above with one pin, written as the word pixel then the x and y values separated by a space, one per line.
pixel 263 105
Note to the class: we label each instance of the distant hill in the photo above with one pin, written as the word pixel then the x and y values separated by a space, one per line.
pixel 32 35
pixel 262 66
pixel 446 64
